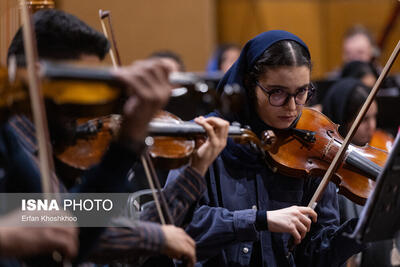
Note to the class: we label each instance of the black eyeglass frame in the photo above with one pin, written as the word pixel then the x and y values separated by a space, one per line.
pixel 310 92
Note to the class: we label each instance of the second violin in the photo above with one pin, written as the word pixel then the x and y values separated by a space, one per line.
pixel 309 148
pixel 171 141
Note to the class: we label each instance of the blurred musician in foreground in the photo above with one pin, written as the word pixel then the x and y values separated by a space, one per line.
pixel 64 37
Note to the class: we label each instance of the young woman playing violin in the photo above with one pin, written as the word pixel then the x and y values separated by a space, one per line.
pixel 249 213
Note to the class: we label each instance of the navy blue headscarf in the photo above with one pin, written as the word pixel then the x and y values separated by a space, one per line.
pixel 248 57
pixel 235 75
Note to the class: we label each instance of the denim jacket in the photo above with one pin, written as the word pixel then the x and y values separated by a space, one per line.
pixel 225 225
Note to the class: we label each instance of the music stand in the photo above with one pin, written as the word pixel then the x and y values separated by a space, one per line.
pixel 388 116
pixel 380 218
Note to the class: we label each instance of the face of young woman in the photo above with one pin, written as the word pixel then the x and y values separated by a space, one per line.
pixel 367 127
pixel 279 80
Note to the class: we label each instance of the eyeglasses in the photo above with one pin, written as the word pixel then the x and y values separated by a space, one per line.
pixel 279 97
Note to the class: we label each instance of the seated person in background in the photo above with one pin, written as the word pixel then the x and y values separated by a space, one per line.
pixel 359 53
pixel 224 57
pixel 358 45
pixel 360 70
pixel 175 60
pixel 341 105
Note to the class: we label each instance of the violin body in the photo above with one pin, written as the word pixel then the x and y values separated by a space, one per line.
pixel 171 152
pixel 299 156
pixel 94 136
pixel 381 139
pixel 89 147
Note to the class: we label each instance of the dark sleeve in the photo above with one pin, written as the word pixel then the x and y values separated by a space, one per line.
pixel 328 243
pixel 214 228
pixel 110 175
pixel 182 194
pixel 129 242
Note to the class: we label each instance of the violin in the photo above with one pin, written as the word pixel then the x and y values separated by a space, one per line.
pixel 171 142
pixel 381 139
pixel 309 148
pixel 91 92
pixel 84 96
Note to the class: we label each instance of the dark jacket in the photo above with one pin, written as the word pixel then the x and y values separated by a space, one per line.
pixel 19 172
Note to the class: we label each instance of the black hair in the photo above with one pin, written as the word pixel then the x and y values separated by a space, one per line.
pixel 61 36
pixel 355 101
pixel 358 69
pixel 282 53
pixel 171 55
pixel 219 54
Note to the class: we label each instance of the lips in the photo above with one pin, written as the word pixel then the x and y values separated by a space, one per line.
pixel 287 117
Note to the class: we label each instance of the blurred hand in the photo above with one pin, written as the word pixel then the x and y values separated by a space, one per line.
pixel 217 134
pixel 148 89
pixel 23 241
pixel 179 245
pixel 293 220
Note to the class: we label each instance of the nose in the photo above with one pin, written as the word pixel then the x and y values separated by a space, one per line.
pixel 291 103
pixel 372 124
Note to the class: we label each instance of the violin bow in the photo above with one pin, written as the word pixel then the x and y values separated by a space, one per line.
pixel 337 160
pixel 115 57
pixel 151 175
pixel 46 163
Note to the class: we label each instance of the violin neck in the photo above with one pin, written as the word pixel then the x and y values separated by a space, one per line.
pixel 186 129
pixel 69 72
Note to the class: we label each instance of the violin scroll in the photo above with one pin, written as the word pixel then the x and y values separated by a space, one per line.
pixel 266 143
pixel 268 140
